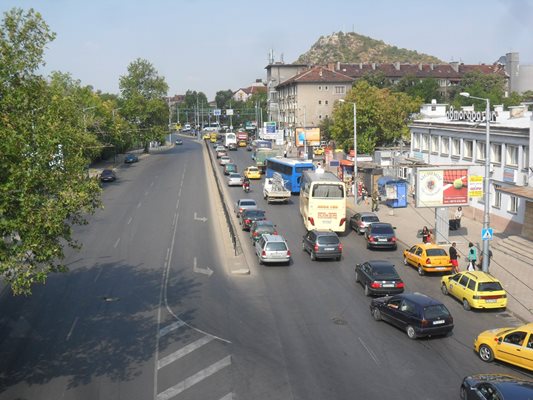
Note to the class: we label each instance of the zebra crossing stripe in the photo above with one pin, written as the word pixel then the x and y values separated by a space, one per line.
pixel 183 351
pixel 169 328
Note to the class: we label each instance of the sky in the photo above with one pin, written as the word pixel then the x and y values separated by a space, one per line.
pixel 210 45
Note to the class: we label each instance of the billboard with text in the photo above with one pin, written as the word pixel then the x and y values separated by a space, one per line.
pixel 441 187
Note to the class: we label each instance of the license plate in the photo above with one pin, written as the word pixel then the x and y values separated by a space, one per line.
pixel 440 268
pixel 438 322
pixel 382 240
pixel 490 300
pixel 388 285
pixel 329 248
pixel 327 221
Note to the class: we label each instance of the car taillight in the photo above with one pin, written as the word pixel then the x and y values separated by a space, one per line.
pixel 241 209
pixel 315 247
pixel 428 261
pixel 340 246
pixel 343 220
pixel 275 232
pixel 400 284
pixel 288 253
pixel 312 220
pixel 375 285
pixel 254 234
pixel 371 239
pixel 247 221
pixel 393 239
pixel 263 253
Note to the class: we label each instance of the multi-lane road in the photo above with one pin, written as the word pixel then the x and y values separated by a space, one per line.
pixel 151 310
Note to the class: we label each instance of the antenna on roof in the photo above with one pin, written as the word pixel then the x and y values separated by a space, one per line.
pixel 281 58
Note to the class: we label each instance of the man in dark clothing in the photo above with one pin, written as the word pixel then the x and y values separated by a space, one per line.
pixel 454 257
pixel 480 265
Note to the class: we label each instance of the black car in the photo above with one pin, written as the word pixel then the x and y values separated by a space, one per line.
pixel 179 142
pixel 259 228
pixel 249 216
pixel 380 235
pixel 131 158
pixel 232 146
pixel 322 244
pixel 108 175
pixel 378 278
pixel 415 313
pixel 496 386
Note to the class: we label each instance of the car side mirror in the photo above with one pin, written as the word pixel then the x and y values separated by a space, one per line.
pixel 499 339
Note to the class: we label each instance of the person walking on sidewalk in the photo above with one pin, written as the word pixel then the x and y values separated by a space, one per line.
pixel 472 256
pixel 480 265
pixel 454 256
pixel 375 199
pixel 458 215
pixel 426 235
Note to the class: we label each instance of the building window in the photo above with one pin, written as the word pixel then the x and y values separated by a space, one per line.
pixel 497 197
pixel 445 145
pixel 325 88
pixel 468 150
pixel 319 102
pixel 513 204
pixel 416 141
pixel 340 89
pixel 525 158
pixel 425 142
pixel 496 153
pixel 320 116
pixel 480 152
pixel 511 157
pixel 327 102
pixel 435 144
pixel 456 147
pixel 320 88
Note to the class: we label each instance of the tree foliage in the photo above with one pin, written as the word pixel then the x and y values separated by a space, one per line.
pixel 426 89
pixel 223 98
pixel 44 152
pixel 382 117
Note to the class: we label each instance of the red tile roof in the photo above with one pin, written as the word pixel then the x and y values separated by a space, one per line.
pixel 318 75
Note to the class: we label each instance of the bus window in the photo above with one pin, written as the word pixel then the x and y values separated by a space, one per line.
pixel 328 191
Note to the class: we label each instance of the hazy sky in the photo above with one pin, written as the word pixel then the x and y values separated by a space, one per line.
pixel 211 45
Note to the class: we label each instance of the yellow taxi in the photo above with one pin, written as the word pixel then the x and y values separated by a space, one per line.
pixel 511 345
pixel 475 289
pixel 318 151
pixel 252 173
pixel 427 257
pixel 206 136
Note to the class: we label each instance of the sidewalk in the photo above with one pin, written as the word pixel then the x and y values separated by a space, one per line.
pixel 516 276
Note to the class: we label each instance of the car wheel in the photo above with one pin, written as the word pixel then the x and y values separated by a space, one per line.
pixel 466 305
pixel 420 270
pixel 313 256
pixel 339 258
pixel 444 289
pixel 486 353
pixel 367 290
pixel 462 393
pixel 260 262
pixel 405 262
pixel 411 333
pixel 368 245
pixel 356 276
pixel 376 314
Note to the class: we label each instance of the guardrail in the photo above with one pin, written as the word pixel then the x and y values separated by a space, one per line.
pixel 237 248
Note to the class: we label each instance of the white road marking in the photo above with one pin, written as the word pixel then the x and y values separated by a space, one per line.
pixel 139 205
pixel 72 328
pixel 369 351
pixel 116 243
pixel 206 271
pixel 183 352
pixel 98 274
pixel 194 379
pixel 169 328
pixel 129 220
pixel 229 396
pixel 196 218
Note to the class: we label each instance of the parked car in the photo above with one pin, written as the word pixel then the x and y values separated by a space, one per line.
pixel 259 228
pixel 108 175
pixel 322 244
pixel 513 345
pixel 249 216
pixel 475 289
pixel 360 221
pixel 496 386
pixel 252 173
pixel 244 204
pixel 379 278
pixel 380 235
pixel 416 314
pixel 131 158
pixel 272 249
pixel 224 160
pixel 179 142
pixel 229 168
pixel 235 179
pixel 232 146
pixel 427 257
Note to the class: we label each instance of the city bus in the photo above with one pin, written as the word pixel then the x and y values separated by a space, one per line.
pixel 230 137
pixel 323 201
pixel 290 169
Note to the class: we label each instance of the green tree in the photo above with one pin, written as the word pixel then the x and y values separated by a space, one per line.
pixel 491 86
pixel 382 117
pixel 223 98
pixel 142 91
pixel 426 89
pixel 325 129
pixel 44 151
pixel 377 79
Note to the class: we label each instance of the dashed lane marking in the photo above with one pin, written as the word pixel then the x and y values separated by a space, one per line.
pixel 116 243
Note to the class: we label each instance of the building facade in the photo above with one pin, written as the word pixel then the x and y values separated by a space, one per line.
pixel 447 137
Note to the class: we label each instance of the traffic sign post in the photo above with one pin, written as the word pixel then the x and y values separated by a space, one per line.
pixel 487 234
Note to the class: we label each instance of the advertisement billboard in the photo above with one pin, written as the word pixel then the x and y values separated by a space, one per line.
pixel 441 187
pixel 475 186
pixel 311 135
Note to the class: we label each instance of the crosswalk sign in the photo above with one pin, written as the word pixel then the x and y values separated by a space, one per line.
pixel 486 234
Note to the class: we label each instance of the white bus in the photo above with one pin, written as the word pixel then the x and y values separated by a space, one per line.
pixel 229 138
pixel 323 201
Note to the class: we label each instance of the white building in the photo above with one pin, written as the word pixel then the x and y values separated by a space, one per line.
pixel 444 137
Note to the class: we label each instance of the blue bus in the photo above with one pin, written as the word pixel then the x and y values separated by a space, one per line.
pixel 290 169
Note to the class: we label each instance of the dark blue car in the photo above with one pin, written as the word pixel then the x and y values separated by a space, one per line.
pixel 131 158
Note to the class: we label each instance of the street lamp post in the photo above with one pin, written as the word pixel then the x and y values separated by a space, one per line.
pixel 356 188
pixel 486 180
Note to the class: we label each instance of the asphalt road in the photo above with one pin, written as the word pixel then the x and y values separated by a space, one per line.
pixel 150 309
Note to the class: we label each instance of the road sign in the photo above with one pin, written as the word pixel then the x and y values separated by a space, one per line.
pixel 487 234
pixel 216 112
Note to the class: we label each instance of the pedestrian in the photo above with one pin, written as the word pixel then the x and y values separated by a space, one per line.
pixel 425 235
pixel 480 265
pixel 458 215
pixel 364 193
pixel 454 256
pixel 472 256
pixel 375 198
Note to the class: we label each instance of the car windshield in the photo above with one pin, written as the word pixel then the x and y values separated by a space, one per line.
pixel 385 271
pixel 253 169
pixel 370 218
pixel 436 311
pixel 234 176
pixel 276 246
pixel 489 286
pixel 247 203
pixel 382 229
pixel 328 240
pixel 436 252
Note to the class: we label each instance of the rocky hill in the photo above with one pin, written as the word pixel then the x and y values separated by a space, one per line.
pixel 353 48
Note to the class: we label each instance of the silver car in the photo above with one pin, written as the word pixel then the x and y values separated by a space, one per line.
pixel 360 221
pixel 235 179
pixel 272 249
pixel 244 204
pixel 224 160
